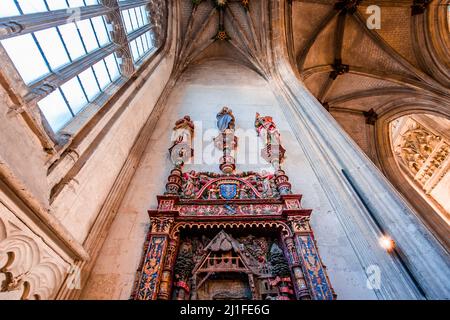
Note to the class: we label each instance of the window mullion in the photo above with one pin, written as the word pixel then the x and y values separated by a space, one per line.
pixel 55 79
pixel 138 32
pixel 119 36
pixel 124 5
pixel 23 24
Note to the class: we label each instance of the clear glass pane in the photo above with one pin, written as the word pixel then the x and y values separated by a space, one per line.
pixel 144 42
pixel 89 84
pixel 72 40
pixel 91 2
pixel 74 95
pixel 134 50
pixel 133 18
pixel 55 110
pixel 52 47
pixel 140 47
pixel 111 64
pixel 32 6
pixel 87 33
pixel 139 17
pixel 8 8
pixel 100 30
pixel 144 14
pixel 76 3
pixel 29 69
pixel 102 74
pixel 127 21
pixel 149 39
pixel 57 4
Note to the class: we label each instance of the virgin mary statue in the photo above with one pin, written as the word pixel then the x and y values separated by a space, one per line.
pixel 225 119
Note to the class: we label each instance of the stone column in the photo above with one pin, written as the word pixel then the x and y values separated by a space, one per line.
pixel 153 266
pixel 364 201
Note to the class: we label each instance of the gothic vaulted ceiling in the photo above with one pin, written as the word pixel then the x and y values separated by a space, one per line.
pixel 346 64
pixel 229 29
pixel 350 63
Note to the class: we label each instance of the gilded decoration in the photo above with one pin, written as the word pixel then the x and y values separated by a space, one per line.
pixel 230 235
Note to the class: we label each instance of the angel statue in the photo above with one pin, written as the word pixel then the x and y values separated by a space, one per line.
pixel 273 151
pixel 183 130
pixel 181 149
pixel 225 119
pixel 267 124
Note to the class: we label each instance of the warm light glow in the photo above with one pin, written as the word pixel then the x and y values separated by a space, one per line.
pixel 387 243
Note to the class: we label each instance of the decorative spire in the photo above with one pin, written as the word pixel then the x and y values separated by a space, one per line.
pixel 180 151
pixel 273 151
pixel 226 140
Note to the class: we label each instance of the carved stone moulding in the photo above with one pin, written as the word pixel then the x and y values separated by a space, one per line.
pixel 29 269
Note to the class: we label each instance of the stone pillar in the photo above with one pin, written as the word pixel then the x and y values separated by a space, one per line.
pixel 360 195
pixel 314 274
pixel 152 270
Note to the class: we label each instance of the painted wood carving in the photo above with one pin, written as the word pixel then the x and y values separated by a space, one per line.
pixel 230 235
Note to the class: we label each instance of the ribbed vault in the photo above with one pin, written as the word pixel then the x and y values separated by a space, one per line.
pixel 349 66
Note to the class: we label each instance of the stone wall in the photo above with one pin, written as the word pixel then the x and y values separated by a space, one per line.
pixel 200 93
pixel 356 127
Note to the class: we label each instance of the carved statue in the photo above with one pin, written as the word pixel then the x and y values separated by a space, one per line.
pixel 225 119
pixel 267 190
pixel 281 271
pixel 183 270
pixel 273 151
pixel 190 183
pixel 183 130
pixel 181 149
pixel 267 124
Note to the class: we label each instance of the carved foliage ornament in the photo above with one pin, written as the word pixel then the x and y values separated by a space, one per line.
pixel 300 224
pixel 161 224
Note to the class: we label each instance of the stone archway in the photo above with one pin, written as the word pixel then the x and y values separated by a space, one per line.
pixel 428 210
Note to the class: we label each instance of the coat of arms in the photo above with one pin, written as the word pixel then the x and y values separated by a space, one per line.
pixel 228 190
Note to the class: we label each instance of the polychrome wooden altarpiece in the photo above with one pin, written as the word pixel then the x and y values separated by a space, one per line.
pixel 230 235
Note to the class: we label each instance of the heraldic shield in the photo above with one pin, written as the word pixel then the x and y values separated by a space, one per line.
pixel 228 191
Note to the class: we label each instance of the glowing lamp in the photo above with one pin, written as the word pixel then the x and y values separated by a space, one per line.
pixel 387 243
